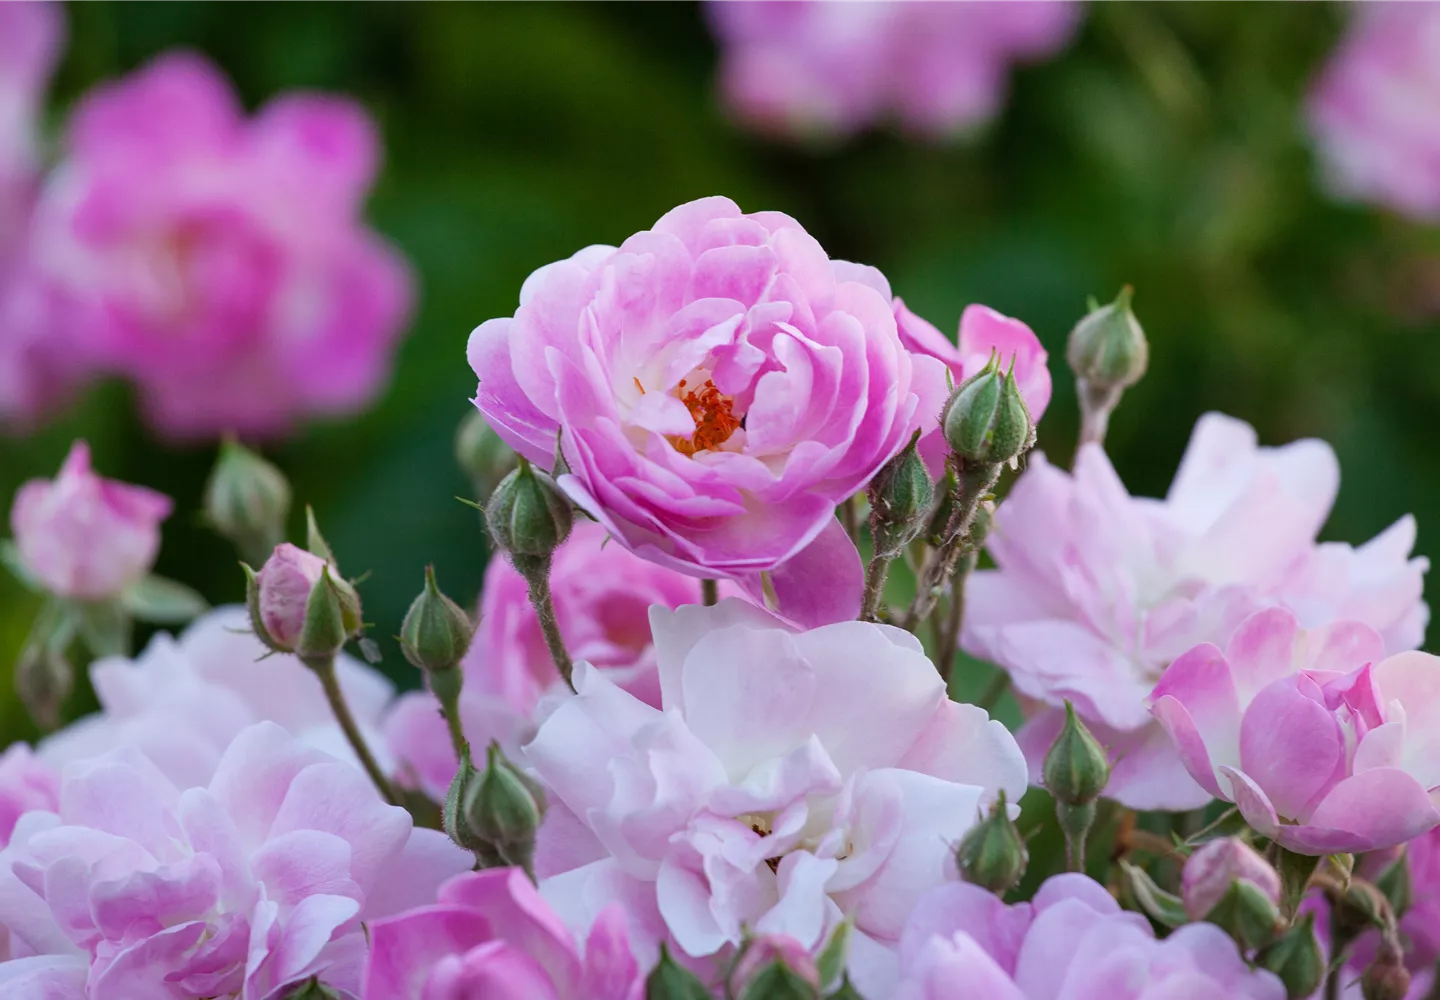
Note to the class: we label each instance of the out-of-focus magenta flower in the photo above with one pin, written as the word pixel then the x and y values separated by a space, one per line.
pixel 85 536
pixel 830 69
pixel 26 783
pixel 36 365
pixel 1326 747
pixel 1073 942
pixel 283 585
pixel 489 934
pixel 792 779
pixel 183 699
pixel 982 331
pixel 219 261
pixel 717 384
pixel 264 877
pixel 1096 591
pixel 1372 110
pixel 1210 871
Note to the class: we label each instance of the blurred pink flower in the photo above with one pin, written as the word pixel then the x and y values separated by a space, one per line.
pixel 982 330
pixel 261 878
pixel 602 592
pixel 1324 749
pixel 26 783
pixel 36 368
pixel 1373 109
pixel 792 779
pixel 760 953
pixel 717 384
pixel 830 69
pixel 81 535
pixel 1073 942
pixel 221 262
pixel 1213 868
pixel 489 934
pixel 182 700
pixel 1097 591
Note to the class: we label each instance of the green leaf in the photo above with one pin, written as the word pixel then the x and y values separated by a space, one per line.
pixel 161 601
pixel 1295 871
pixel 314 541
pixel 1163 907
pixel 831 961
pixel 10 558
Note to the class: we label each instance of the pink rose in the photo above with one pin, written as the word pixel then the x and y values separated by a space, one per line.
pixel 1072 942
pixel 84 536
pixel 717 385
pixel 982 330
pixel 25 784
pixel 1096 592
pixel 1372 109
pixel 264 877
pixel 790 779
pixel 1210 871
pixel 1325 746
pixel 221 262
pixel 812 68
pixel 284 584
pixel 489 934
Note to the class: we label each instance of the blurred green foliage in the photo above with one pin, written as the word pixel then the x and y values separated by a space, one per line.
pixel 1166 148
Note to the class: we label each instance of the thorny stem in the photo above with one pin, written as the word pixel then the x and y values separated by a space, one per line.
pixel 975 482
pixel 324 668
pixel 950 635
pixel 537 576
pixel 875 574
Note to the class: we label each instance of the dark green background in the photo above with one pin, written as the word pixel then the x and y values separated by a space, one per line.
pixel 1165 148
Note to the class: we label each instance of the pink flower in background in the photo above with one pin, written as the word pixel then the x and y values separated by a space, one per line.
pixel 84 536
pixel 25 784
pixel 489 934
pixel 982 330
pixel 830 69
pixel 221 262
pixel 1325 746
pixel 183 700
pixel 717 384
pixel 261 878
pixel 792 779
pixel 1073 942
pixel 602 592
pixel 1096 591
pixel 1373 109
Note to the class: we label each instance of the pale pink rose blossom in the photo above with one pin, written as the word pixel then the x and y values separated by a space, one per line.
pixel 1209 873
pixel 1096 592
pixel 983 331
pixel 602 594
pixel 717 385
pixel 264 877
pixel 490 935
pixel 1326 745
pixel 218 260
pixel 1072 942
pixel 830 69
pixel 81 535
pixel 789 780
pixel 183 700
pixel 1373 109
pixel 26 783
pixel 283 588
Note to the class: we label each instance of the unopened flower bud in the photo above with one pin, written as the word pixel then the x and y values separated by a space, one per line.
pixel 1076 768
pixel 527 515
pixel 1296 959
pixel 1247 914
pixel 776 967
pixel 483 456
pixel 453 815
pixel 900 497
pixel 986 421
pixel 1107 348
pixel 670 980
pixel 1214 868
pixel 311 989
pixel 1386 978
pixel 247 500
pixel 504 809
pixel 436 631
pixel 298 605
pixel 992 853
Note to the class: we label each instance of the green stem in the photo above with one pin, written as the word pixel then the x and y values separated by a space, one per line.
pixel 1096 405
pixel 1075 821
pixel 850 519
pixel 974 482
pixel 537 576
pixel 445 685
pixel 950 636
pixel 709 592
pixel 875 574
pixel 992 694
pixel 324 668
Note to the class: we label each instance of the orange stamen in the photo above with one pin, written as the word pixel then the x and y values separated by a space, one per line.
pixel 636 380
pixel 714 418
